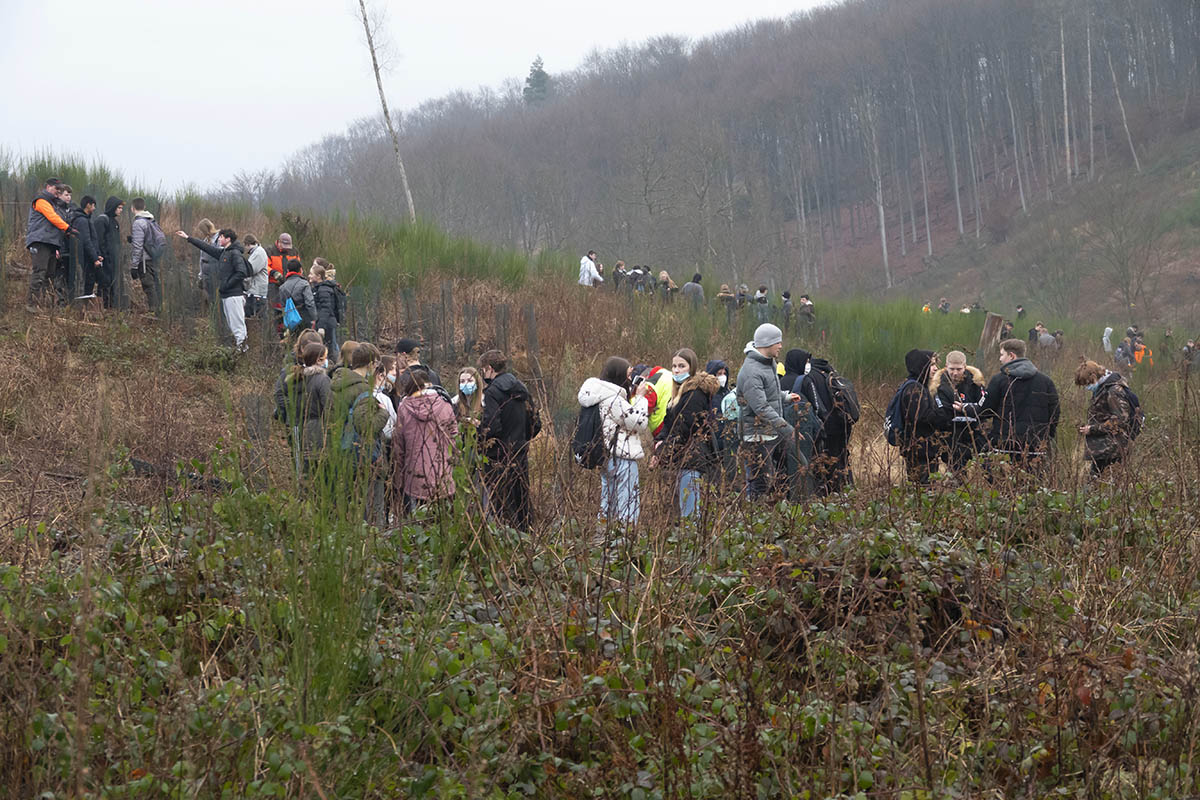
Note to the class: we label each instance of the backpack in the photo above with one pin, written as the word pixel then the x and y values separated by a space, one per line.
pixel 845 399
pixel 893 419
pixel 352 440
pixel 533 420
pixel 291 317
pixel 730 410
pixel 587 445
pixel 1137 416
pixel 155 241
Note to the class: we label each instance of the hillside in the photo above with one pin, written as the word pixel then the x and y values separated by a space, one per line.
pixel 862 147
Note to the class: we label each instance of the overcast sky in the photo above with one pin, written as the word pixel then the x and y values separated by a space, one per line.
pixel 176 92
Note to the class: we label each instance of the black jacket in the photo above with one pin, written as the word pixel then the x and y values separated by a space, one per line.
pixel 108 233
pixel 1023 405
pixel 794 363
pixel 835 430
pixel 686 433
pixel 82 243
pixel 232 268
pixel 923 420
pixel 505 427
pixel 330 301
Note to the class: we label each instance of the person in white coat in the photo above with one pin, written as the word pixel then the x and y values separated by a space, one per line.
pixel 622 424
pixel 589 275
pixel 1106 340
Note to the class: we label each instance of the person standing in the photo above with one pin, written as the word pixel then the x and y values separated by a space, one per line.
pixel 228 277
pixel 922 420
pixel 147 242
pixel 1108 432
pixel 45 237
pixel 108 240
pixel 296 287
pixel 1022 404
pixel 330 301
pixel 831 462
pixel 408 353
pixel 256 284
pixel 206 231
pixel 761 402
pixel 86 259
pixel 589 275
pixel 508 423
pixel 685 444
pixel 622 422
pixel 306 404
pixel 422 442
pixel 282 260
pixel 959 382
pixel 692 290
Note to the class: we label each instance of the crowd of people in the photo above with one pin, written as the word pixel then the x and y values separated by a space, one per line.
pixel 643 280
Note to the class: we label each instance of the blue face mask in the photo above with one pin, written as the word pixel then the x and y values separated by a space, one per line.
pixel 682 378
pixel 467 388
pixel 1091 387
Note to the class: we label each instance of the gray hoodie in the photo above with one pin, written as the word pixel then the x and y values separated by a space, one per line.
pixel 761 402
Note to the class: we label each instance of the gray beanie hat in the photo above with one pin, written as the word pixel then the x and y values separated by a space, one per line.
pixel 766 335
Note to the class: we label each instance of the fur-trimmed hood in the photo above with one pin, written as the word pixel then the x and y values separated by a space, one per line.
pixel 935 380
pixel 706 383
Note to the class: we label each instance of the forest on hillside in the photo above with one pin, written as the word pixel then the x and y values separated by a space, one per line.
pixel 839 146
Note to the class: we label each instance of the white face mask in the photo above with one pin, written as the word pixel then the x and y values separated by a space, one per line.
pixel 723 380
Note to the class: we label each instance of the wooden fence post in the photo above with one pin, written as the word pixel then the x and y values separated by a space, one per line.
pixel 447 310
pixel 470 329
pixel 502 315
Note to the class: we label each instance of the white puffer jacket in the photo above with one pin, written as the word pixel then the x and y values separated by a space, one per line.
pixel 623 422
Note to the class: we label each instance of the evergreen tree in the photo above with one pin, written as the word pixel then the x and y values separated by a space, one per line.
pixel 538 84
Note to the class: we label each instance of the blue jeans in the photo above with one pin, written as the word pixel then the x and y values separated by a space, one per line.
pixel 688 491
pixel 620 500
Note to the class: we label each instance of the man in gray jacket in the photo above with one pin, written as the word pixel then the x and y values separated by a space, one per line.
pixel 147 240
pixel 761 402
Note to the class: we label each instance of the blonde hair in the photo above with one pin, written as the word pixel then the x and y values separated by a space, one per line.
pixel 472 406
pixel 1088 373
pixel 956 357
pixel 206 227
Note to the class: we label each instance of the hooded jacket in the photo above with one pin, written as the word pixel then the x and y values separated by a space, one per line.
pixel 622 421
pixel 945 393
pixel 141 228
pixel 421 446
pixel 504 424
pixel 794 365
pixel 256 283
pixel 1109 415
pixel 297 287
pixel 84 249
pixel 1106 340
pixel 1023 406
pixel 345 386
pixel 307 399
pixel 922 417
pixel 108 233
pixel 759 397
pixel 686 434
pixel 231 269
pixel 712 368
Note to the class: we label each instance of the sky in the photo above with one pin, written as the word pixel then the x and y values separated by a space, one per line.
pixel 173 93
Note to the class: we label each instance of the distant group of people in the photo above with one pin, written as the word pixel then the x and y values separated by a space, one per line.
pixel 384 425
pixel 642 280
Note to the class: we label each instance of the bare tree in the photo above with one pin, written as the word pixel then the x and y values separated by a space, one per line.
pixel 368 27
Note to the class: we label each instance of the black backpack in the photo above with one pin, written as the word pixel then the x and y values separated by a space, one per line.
pixel 845 399
pixel 1137 417
pixel 587 445
pixel 893 419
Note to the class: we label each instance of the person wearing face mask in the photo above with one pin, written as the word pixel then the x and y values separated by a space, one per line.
pixel 923 420
pixel 801 415
pixel 622 421
pixel 685 444
pixel 377 488
pixel 961 383
pixel 725 439
pixel 468 403
pixel 1109 431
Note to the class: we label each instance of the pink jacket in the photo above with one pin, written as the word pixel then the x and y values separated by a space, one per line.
pixel 421 440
